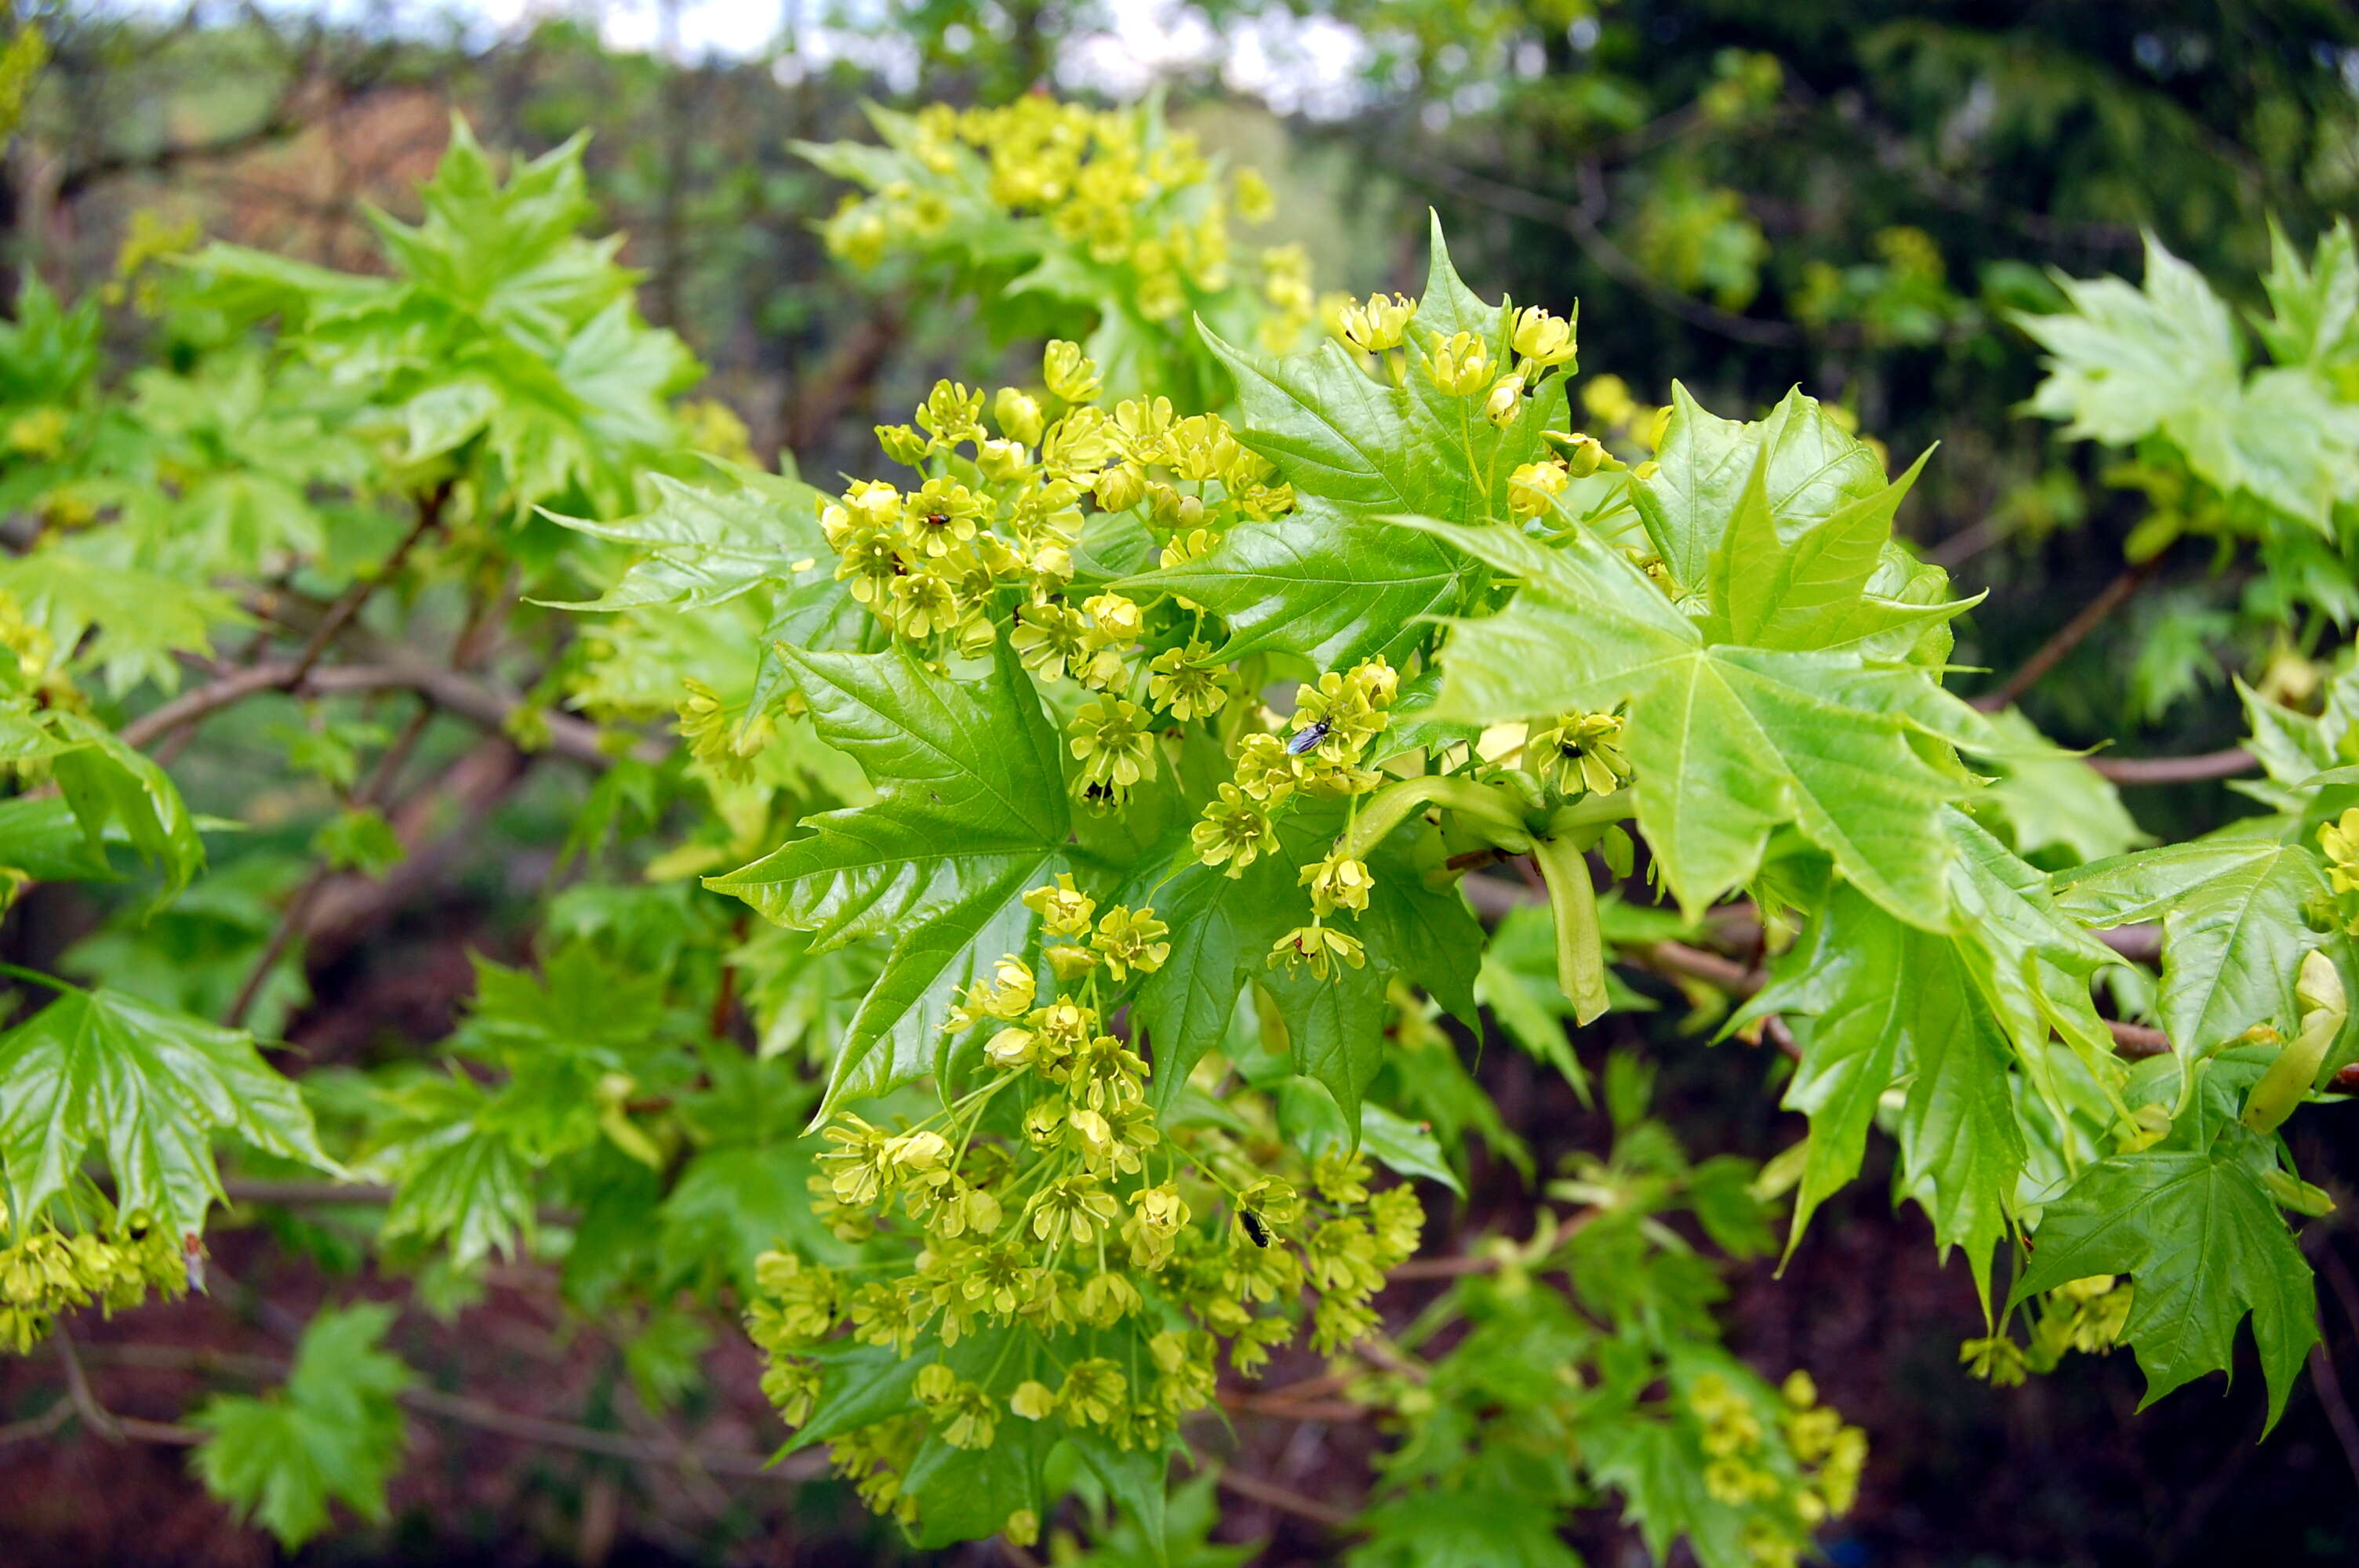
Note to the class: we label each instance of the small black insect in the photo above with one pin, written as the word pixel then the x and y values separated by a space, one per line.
pixel 1307 737
pixel 1254 1227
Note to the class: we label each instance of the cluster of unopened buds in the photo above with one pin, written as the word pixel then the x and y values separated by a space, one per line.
pixel 1048 1206
pixel 45 1272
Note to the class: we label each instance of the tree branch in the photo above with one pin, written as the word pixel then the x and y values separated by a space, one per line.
pixel 2224 764
pixel 2067 637
pixel 489 706
pixel 1271 1494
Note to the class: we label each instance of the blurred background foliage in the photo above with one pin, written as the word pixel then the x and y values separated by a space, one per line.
pixel 1863 198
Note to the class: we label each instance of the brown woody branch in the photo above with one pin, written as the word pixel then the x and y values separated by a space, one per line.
pixel 489 706
pixel 478 1413
pixel 2226 764
pixel 2066 638
pixel 1270 1495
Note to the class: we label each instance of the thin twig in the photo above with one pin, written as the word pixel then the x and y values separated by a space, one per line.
pixel 1277 1496
pixel 2208 766
pixel 2337 1408
pixel 38 1426
pixel 85 1403
pixel 488 706
pixel 2067 637
pixel 297 1195
pixel 348 603
pixel 590 1440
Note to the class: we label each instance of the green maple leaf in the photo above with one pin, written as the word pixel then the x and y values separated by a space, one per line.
pixel 2232 905
pixel 458 1175
pixel 2129 363
pixel 1450 1528
pixel 2054 801
pixel 2203 1244
pixel 971 813
pixel 698 548
pixel 333 1433
pixel 1330 581
pixel 111 788
pixel 2313 304
pixel 149 1087
pixel 1877 1001
pixel 1730 744
pixel 123 619
pixel 2294 748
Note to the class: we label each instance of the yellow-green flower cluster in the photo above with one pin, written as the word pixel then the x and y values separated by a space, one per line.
pixel 2087 1316
pixel 1119 187
pixel 1113 1258
pixel 1318 753
pixel 1743 1467
pixel 985 546
pixel 46 1272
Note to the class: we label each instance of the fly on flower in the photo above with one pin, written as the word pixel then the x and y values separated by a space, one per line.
pixel 1254 1227
pixel 1309 736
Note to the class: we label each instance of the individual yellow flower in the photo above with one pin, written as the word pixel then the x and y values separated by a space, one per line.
pixel 902 444
pixel 951 414
pixel 1581 752
pixel 922 603
pixel 1265 770
pixel 1187 682
pixel 1542 336
pixel 1132 941
pixel 1064 911
pixel 1143 428
pixel 1319 947
pixel 1581 453
pixel 1050 636
pixel 1032 1400
pixel 1234 831
pixel 1461 364
pixel 1120 487
pixel 1377 323
pixel 1116 620
pixel 1339 880
pixel 941 515
pixel 1110 741
pixel 1256 203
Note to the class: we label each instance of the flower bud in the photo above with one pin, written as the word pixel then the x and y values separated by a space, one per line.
pixel 1506 401
pixel 1018 415
pixel 1069 374
pixel 1531 487
pixel 902 444
pixel 1119 488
